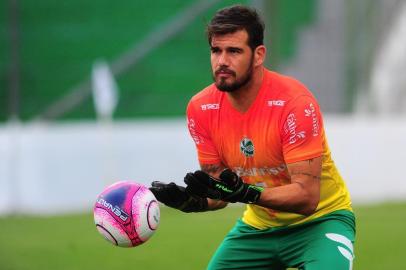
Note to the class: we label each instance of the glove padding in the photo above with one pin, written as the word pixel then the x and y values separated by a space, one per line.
pixel 229 187
pixel 176 196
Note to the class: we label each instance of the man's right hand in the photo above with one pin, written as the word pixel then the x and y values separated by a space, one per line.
pixel 176 196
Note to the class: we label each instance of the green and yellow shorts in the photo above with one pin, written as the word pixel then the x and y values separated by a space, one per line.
pixel 324 243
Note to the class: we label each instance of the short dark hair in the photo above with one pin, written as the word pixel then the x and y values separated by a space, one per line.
pixel 232 19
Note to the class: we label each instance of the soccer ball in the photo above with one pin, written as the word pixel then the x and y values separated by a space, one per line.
pixel 126 214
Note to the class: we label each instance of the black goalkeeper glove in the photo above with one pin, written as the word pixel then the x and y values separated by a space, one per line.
pixel 176 196
pixel 229 187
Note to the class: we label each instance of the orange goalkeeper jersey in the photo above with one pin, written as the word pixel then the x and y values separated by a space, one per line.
pixel 282 126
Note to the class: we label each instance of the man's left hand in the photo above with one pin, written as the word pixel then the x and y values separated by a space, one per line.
pixel 229 187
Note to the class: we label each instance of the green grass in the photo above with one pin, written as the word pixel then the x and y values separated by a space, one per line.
pixel 183 241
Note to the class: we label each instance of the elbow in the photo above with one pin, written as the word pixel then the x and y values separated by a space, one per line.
pixel 309 208
pixel 308 211
pixel 310 202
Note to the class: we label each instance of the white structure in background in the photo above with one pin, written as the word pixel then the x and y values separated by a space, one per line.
pixel 104 89
pixel 321 56
pixel 10 185
pixel 105 97
pixel 388 76
pixel 60 169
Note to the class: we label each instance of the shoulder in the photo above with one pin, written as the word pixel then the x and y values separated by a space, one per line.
pixel 210 93
pixel 289 92
pixel 288 87
pixel 207 99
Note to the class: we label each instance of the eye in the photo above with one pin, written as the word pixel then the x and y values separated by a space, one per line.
pixel 214 50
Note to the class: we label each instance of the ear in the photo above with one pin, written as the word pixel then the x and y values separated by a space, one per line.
pixel 259 55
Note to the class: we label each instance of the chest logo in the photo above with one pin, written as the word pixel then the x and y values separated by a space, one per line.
pixel 247 147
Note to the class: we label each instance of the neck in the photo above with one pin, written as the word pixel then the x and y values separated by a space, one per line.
pixel 242 98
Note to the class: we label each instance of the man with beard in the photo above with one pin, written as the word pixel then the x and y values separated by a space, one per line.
pixel 260 141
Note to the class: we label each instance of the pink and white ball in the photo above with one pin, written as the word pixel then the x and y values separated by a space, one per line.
pixel 126 214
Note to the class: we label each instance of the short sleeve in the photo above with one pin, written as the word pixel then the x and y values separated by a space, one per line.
pixel 198 128
pixel 301 130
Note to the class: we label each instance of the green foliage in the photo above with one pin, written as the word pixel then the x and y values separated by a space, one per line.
pixel 59 41
pixel 4 58
pixel 181 241
pixel 288 18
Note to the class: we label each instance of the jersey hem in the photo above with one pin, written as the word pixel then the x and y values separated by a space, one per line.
pixel 347 213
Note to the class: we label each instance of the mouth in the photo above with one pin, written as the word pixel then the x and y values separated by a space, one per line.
pixel 224 73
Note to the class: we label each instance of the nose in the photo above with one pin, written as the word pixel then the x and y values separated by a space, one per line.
pixel 223 60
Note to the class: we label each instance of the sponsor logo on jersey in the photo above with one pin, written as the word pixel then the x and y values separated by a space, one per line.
pixel 311 112
pixel 290 128
pixel 247 147
pixel 262 171
pixel 279 103
pixel 210 106
pixel 192 129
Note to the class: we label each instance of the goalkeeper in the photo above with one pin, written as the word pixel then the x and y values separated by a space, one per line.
pixel 260 141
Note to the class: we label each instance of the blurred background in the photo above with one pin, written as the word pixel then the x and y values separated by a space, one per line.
pixel 92 92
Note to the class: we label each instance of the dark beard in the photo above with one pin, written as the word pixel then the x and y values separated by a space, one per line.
pixel 224 87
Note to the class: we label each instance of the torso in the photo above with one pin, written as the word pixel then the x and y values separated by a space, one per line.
pixel 282 125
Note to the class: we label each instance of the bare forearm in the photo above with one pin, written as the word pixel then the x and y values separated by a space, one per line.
pixel 290 198
pixel 212 169
pixel 302 195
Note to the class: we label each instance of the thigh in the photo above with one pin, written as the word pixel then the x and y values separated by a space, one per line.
pixel 326 245
pixel 245 247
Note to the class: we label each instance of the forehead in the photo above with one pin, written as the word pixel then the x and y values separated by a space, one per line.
pixel 236 39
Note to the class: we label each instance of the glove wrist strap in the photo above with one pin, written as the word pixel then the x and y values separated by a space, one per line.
pixel 252 194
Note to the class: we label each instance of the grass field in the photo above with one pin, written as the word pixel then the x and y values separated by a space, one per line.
pixel 183 241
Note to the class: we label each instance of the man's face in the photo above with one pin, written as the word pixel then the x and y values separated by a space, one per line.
pixel 231 61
